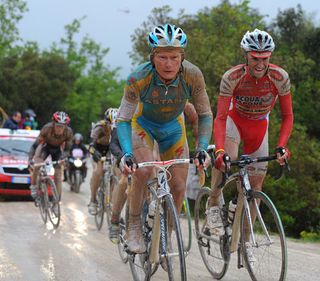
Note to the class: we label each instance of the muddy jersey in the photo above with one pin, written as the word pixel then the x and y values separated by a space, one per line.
pixel 101 133
pixel 147 100
pixel 47 136
pixel 254 98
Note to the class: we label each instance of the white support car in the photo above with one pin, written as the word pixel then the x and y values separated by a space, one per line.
pixel 14 149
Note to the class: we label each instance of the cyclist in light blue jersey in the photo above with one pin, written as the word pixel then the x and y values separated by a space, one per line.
pixel 152 110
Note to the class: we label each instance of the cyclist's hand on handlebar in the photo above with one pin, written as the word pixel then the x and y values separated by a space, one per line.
pixel 222 162
pixel 30 164
pixel 283 155
pixel 128 164
pixel 202 159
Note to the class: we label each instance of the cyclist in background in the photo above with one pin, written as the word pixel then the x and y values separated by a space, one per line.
pixel 55 139
pixel 152 110
pixel 99 147
pixel 248 92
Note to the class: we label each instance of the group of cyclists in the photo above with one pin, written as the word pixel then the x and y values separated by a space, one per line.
pixel 156 95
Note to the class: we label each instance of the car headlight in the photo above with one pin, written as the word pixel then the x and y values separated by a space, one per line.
pixel 77 163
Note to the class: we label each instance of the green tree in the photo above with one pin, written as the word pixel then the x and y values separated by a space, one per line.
pixel 96 87
pixel 11 12
pixel 35 80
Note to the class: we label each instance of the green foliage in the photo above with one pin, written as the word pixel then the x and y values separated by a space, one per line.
pixel 30 78
pixel 11 12
pixel 310 236
pixel 96 87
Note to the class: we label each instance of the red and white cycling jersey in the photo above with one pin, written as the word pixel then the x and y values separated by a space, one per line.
pixel 243 97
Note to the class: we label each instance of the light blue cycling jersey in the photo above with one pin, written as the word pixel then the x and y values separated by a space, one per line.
pixel 156 108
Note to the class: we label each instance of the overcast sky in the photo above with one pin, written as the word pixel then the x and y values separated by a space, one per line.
pixel 112 22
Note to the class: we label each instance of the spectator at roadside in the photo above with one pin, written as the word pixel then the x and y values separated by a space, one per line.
pixel 13 121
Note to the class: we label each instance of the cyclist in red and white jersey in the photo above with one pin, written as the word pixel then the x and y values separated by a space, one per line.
pixel 248 92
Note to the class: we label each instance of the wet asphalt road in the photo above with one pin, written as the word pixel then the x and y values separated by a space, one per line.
pixel 76 251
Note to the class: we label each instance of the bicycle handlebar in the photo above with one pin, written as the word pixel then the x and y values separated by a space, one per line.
pixel 245 160
pixel 165 164
pixel 50 162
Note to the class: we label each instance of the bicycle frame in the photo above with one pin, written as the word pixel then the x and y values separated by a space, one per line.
pixel 162 190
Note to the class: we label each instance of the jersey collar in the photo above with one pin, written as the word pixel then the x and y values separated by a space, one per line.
pixel 157 81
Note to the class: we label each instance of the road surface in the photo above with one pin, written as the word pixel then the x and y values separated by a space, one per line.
pixel 76 251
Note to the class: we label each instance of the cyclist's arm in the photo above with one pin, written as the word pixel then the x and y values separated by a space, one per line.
pixel 126 111
pixel 201 103
pixel 287 119
pixel 115 147
pixel 192 116
pixel 227 86
pixel 219 130
pixel 69 139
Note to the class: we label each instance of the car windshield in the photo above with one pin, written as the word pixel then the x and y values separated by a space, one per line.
pixel 15 145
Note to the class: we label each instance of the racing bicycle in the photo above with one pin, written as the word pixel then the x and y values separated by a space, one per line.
pixel 256 221
pixel 48 199
pixel 163 239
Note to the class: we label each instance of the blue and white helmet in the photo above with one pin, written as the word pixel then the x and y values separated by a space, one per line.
pixel 167 36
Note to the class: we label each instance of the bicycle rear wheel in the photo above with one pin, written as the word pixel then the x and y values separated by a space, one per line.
pixel 43 201
pixel 173 260
pixel 100 208
pixel 269 250
pixel 213 249
pixel 54 205
pixel 186 225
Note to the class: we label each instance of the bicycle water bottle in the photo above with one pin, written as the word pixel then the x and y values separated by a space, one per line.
pixel 151 212
pixel 231 210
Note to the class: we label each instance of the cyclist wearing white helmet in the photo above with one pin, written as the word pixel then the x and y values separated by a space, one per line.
pixel 152 110
pixel 55 139
pixel 99 146
pixel 248 92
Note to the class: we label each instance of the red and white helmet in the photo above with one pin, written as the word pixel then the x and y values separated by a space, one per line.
pixel 61 117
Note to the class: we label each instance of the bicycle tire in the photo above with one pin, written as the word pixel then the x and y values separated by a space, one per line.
pixel 122 225
pixel 212 249
pixel 186 225
pixel 108 203
pixel 99 216
pixel 270 263
pixel 54 212
pixel 174 257
pixel 43 202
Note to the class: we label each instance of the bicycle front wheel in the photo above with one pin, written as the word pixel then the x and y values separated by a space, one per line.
pixel 213 250
pixel 108 200
pixel 54 205
pixel 100 208
pixel 173 259
pixel 186 225
pixel 43 202
pixel 122 224
pixel 268 259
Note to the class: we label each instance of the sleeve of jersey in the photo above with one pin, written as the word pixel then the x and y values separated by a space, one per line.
pixel 287 119
pixel 124 134
pixel 219 130
pixel 127 109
